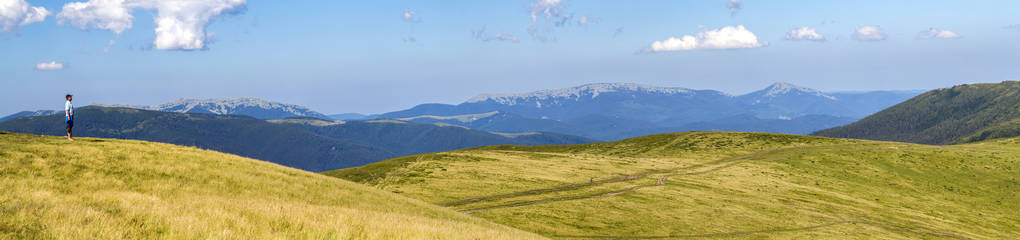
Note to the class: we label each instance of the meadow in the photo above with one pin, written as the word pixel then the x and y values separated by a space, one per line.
pixel 122 189
pixel 723 185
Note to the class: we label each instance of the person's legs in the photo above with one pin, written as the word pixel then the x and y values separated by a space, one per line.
pixel 70 125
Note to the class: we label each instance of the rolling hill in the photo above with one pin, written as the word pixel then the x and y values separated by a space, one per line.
pixel 124 189
pixel 965 113
pixel 308 144
pixel 723 185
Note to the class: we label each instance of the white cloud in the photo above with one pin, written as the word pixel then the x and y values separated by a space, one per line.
pixel 804 33
pixel 546 14
pixel 937 33
pixel 411 16
pixel 17 13
pixel 501 37
pixel 585 20
pixel 869 33
pixel 48 66
pixel 734 6
pixel 547 8
pixel 728 37
pixel 180 24
pixel 108 45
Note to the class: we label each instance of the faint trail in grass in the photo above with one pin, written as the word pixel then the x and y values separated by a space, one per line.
pixel 553 189
pixel 660 182
pixel 742 233
pixel 613 179
pixel 559 199
pixel 623 178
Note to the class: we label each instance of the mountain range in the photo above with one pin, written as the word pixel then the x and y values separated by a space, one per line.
pixel 964 113
pixel 602 111
pixel 612 111
pixel 306 143
pixel 29 114
pixel 248 106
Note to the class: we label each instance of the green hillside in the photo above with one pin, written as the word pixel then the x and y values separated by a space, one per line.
pixel 964 113
pixel 121 189
pixel 725 185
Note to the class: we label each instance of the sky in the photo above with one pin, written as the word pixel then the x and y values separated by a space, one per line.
pixel 380 56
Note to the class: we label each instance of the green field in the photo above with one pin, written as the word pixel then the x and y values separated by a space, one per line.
pixel 723 185
pixel 118 189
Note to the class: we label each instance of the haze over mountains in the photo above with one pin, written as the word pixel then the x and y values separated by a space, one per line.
pixel 612 111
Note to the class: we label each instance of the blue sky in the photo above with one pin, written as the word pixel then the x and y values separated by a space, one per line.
pixel 355 56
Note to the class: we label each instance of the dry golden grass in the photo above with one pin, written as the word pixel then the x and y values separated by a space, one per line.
pixel 116 189
pixel 724 185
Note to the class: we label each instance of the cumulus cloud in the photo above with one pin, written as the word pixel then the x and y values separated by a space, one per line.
pixel 180 24
pixel 804 33
pixel 869 33
pixel 411 16
pixel 49 66
pixel 728 37
pixel 546 8
pixel 545 13
pixel 937 33
pixel 734 6
pixel 17 13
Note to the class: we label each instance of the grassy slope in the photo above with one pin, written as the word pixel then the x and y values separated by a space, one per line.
pixel 743 185
pixel 941 116
pixel 1002 130
pixel 101 188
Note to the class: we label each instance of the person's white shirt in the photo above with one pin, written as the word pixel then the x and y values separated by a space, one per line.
pixel 68 109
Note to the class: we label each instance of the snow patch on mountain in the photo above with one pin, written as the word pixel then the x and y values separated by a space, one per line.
pixel 460 118
pixel 226 106
pixel 782 88
pixel 576 93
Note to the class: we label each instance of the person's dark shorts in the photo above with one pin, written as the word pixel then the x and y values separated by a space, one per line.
pixel 70 124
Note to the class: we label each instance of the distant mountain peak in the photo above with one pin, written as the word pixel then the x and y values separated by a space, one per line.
pixel 255 107
pixel 593 90
pixel 784 88
pixel 223 105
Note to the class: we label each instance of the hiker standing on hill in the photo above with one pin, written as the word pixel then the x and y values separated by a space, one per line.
pixel 69 115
